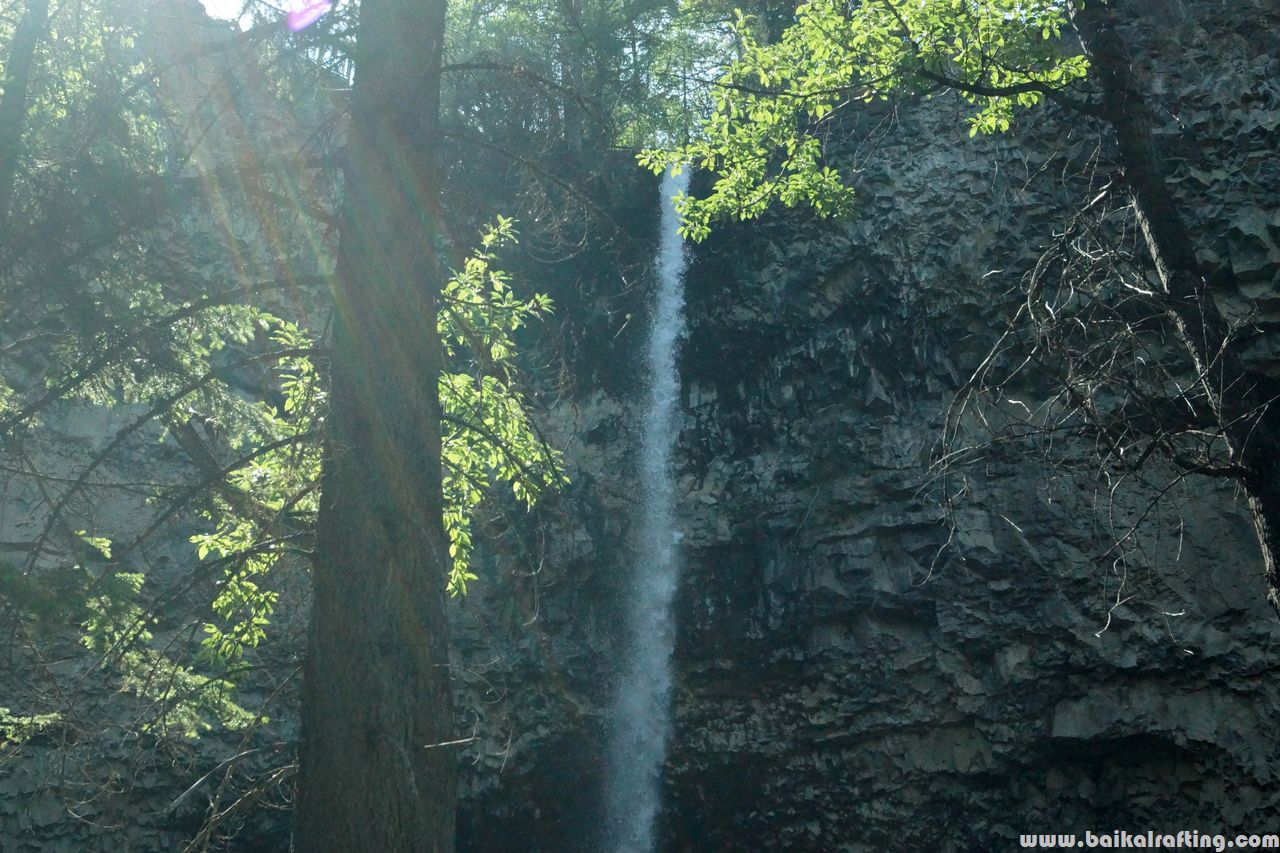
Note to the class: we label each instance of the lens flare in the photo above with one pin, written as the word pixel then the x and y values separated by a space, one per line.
pixel 306 14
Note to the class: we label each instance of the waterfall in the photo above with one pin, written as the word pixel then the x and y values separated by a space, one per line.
pixel 641 720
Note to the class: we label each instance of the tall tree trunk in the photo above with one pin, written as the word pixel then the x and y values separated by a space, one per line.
pixel 376 698
pixel 1249 427
pixel 13 102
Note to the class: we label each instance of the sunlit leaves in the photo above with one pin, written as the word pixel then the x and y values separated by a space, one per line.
pixel 16 729
pixel 101 544
pixel 487 434
pixel 763 141
pixel 273 497
pixel 243 606
pixel 488 438
pixel 117 630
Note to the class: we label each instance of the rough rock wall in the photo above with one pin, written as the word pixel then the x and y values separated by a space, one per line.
pixel 856 671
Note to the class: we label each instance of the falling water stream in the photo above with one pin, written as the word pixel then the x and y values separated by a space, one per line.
pixel 641 720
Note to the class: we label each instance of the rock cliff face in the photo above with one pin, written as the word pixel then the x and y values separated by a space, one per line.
pixel 858 669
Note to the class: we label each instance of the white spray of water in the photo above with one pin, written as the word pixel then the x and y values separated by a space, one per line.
pixel 642 709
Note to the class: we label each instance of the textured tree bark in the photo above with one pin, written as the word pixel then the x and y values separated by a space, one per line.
pixel 13 103
pixel 1250 428
pixel 376 696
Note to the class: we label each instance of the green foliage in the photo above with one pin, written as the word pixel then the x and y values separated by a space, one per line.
pixel 90 114
pixel 242 605
pixel 268 499
pixel 110 299
pixel 487 434
pixel 488 437
pixel 763 140
pixel 101 544
pixel 17 729
pixel 117 632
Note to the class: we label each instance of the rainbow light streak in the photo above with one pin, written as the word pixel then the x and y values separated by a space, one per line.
pixel 305 15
